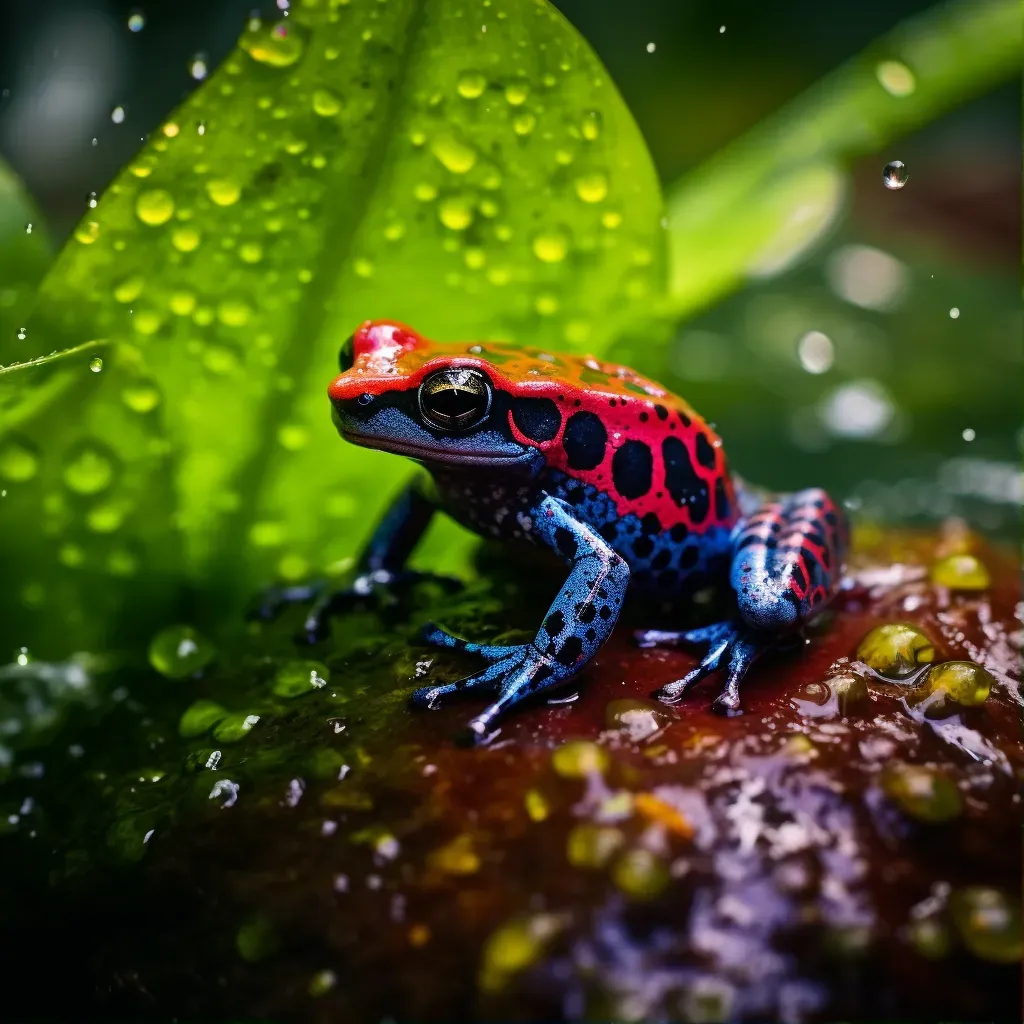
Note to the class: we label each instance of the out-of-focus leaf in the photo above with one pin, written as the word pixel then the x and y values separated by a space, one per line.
pixel 25 253
pixel 469 169
pixel 776 190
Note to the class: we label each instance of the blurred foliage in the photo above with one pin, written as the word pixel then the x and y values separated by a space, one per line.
pixel 758 205
pixel 481 179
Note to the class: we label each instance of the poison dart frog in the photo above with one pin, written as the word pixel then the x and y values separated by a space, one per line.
pixel 622 480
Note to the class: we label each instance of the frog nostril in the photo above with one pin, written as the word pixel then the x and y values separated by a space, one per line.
pixel 365 398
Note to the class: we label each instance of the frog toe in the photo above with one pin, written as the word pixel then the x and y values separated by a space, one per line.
pixel 434 635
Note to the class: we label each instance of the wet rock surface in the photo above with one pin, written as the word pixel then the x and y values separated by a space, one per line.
pixel 280 836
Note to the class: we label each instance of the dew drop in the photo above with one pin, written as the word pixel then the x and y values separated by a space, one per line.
pixel 471 85
pixel 223 191
pixel 524 123
pixel 87 232
pixel 895 175
pixel 455 213
pixel 185 239
pixel 28 228
pixel 277 46
pixel 325 103
pixel 590 125
pixel 234 312
pixel 954 313
pixel 88 471
pixel 516 93
pixel 141 398
pixel 454 154
pixel 179 651
pixel 592 188
pixel 96 364
pixel 129 289
pixel 611 219
pixel 136 21
pixel 22 334
pixel 551 246
pixel 155 207
pixel 91 200
pixel 117 115
pixel 18 462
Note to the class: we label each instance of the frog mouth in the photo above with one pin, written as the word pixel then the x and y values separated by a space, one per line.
pixel 423 453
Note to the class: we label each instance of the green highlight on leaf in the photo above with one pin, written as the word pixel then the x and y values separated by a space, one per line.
pixel 348 162
pixel 766 199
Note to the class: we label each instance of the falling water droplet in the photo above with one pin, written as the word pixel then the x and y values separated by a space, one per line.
pixel 197 66
pixel 28 228
pixel 91 200
pixel 136 21
pixel 651 47
pixel 22 334
pixel 117 115
pixel 954 313
pixel 96 364
pixel 895 175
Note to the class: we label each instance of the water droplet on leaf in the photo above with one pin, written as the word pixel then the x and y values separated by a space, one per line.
pixel 296 678
pixel 18 462
pixel 277 46
pixel 454 154
pixel 551 246
pixel 326 103
pixel 88 471
pixel 179 651
pixel 471 85
pixel 592 188
pixel 455 212
pixel 223 191
pixel 155 207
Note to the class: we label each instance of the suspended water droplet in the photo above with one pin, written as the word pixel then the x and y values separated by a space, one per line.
pixel 591 124
pixel 277 46
pixel 18 462
pixel 954 313
pixel 91 200
pixel 651 47
pixel 88 470
pixel 96 364
pixel 471 85
pixel 551 246
pixel 592 188
pixel 22 334
pixel 179 651
pixel 136 21
pixel 117 115
pixel 197 66
pixel 185 239
pixel 454 154
pixel 895 175
pixel 141 398
pixel 28 228
pixel 155 207
pixel 455 213
pixel 223 191
pixel 325 103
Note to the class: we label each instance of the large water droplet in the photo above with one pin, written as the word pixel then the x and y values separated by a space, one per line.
pixel 456 156
pixel 18 462
pixel 277 46
pixel 516 93
pixel 471 85
pixel 592 188
pixel 155 206
pixel 223 191
pixel 455 213
pixel 180 651
pixel 895 175
pixel 96 364
pixel 88 470
pixel 551 246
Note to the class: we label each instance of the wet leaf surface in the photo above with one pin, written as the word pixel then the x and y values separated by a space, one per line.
pixel 833 853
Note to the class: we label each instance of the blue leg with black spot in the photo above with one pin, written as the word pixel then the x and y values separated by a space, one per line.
pixel 786 566
pixel 578 622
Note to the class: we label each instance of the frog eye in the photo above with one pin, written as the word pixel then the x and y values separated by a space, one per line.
pixel 455 399
pixel 347 354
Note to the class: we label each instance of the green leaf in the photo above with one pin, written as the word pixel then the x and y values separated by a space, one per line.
pixel 762 202
pixel 470 170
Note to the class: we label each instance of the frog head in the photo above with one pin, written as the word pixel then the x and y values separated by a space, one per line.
pixel 435 403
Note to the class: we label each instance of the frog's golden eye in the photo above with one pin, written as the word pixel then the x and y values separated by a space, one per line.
pixel 347 354
pixel 455 399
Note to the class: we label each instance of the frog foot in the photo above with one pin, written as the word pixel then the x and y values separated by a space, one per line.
pixel 382 586
pixel 513 671
pixel 730 645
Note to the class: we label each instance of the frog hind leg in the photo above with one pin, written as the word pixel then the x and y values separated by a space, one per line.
pixel 786 566
pixel 578 622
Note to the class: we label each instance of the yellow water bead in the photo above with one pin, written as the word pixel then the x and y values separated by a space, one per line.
pixel 325 103
pixel 516 93
pixel 551 246
pixel 455 155
pixel 129 289
pixel 182 303
pixel 471 85
pixel 185 239
pixel 579 758
pixel 234 312
pixel 592 188
pixel 896 649
pixel 155 207
pixel 961 572
pixel 455 213
pixel 250 252
pixel 223 191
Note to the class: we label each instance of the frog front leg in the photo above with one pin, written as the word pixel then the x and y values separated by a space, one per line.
pixel 380 566
pixel 578 622
pixel 786 566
